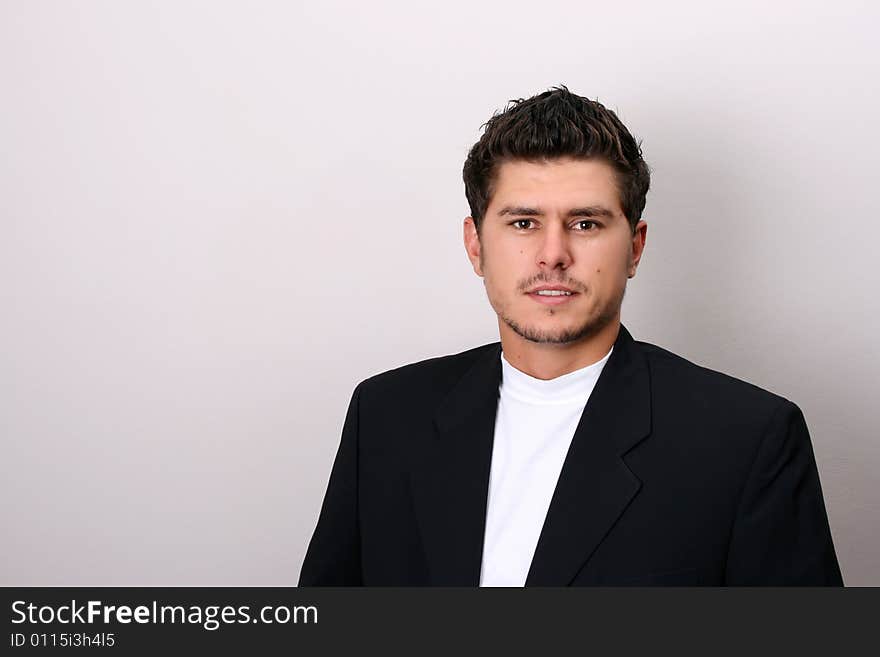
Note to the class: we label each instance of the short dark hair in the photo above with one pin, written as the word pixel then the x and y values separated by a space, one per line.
pixel 556 123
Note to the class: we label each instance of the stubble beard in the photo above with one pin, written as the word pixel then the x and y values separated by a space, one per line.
pixel 591 326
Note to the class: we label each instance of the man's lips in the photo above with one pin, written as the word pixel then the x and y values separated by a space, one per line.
pixel 560 288
pixel 563 295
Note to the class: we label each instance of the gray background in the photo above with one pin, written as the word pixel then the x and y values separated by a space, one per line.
pixel 218 217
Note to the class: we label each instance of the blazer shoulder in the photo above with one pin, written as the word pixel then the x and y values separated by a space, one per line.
pixel 432 374
pixel 689 379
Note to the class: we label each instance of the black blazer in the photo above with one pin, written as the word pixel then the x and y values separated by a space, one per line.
pixel 676 475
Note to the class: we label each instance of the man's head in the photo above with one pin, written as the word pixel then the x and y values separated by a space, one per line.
pixel 556 187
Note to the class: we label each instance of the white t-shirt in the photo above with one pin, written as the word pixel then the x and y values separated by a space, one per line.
pixel 535 423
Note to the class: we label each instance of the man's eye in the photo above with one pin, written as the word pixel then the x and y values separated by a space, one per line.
pixel 586 225
pixel 523 224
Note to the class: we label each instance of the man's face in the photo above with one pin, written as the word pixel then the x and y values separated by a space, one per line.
pixel 555 224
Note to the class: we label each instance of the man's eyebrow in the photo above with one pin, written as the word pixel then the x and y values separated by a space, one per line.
pixel 592 211
pixel 521 211
pixel 588 211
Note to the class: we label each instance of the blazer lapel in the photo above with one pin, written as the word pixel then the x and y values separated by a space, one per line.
pixel 595 485
pixel 451 483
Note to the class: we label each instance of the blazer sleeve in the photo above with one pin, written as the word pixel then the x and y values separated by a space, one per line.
pixel 333 557
pixel 781 535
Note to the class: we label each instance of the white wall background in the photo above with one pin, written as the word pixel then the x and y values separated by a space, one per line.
pixel 218 217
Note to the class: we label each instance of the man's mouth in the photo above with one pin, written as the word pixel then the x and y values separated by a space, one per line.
pixel 552 295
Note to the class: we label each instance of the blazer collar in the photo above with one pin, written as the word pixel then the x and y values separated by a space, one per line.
pixel 451 481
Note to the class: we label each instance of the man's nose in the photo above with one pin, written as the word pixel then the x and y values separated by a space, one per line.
pixel 555 250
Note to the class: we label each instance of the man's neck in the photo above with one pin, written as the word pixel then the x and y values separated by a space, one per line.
pixel 548 361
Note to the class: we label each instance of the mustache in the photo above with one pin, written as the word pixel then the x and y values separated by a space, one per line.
pixel 542 279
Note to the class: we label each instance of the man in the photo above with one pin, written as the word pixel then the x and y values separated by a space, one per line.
pixel 568 453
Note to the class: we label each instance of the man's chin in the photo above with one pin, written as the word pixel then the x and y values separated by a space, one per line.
pixel 554 334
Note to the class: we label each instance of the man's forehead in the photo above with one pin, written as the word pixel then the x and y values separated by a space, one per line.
pixel 561 186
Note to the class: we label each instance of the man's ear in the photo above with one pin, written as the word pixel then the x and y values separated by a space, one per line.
pixel 472 245
pixel 637 247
